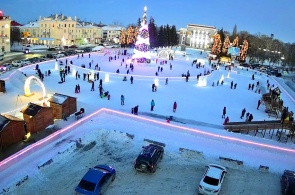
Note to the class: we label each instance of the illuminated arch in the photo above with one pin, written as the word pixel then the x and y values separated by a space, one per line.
pixel 165 53
pixel 27 86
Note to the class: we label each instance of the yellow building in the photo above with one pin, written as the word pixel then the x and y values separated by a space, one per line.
pixel 4 33
pixel 60 30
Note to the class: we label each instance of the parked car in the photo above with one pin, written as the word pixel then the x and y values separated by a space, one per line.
pixel 73 47
pixel 288 183
pixel 96 180
pixel 49 56
pixel 79 50
pixel 17 63
pixel 212 179
pixel 5 67
pixel 51 49
pixel 60 55
pixel 149 158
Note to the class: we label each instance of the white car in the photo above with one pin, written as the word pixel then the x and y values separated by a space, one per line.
pixel 60 55
pixel 17 63
pixel 212 179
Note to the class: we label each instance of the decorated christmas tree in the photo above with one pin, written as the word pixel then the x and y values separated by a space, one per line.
pixel 216 48
pixel 142 45
pixel 226 44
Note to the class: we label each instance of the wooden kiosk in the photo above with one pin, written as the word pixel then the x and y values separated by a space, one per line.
pixel 11 130
pixel 63 104
pixel 37 117
pixel 2 86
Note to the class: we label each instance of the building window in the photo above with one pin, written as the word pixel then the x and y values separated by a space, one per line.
pixel 73 25
pixel 45 25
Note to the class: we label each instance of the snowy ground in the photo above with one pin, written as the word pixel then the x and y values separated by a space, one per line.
pixel 104 140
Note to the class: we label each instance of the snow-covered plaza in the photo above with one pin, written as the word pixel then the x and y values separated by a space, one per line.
pixel 102 131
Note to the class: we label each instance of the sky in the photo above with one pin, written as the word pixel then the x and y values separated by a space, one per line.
pixel 199 111
pixel 255 16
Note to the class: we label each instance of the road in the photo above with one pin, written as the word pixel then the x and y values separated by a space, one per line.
pixel 21 56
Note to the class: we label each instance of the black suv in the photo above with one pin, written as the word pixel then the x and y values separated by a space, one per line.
pixel 148 159
pixel 288 182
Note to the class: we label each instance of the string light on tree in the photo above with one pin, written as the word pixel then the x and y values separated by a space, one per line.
pixel 142 45
pixel 243 53
pixel 236 42
pixel 130 35
pixel 226 44
pixel 216 48
pixel 123 37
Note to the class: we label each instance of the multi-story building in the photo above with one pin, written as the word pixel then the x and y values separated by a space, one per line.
pixel 60 30
pixel 4 33
pixel 198 36
pixel 112 33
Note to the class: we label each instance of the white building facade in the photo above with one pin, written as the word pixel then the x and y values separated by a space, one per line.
pixel 197 36
pixel 112 33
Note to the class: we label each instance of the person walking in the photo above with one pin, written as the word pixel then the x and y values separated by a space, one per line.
pixel 223 112
pixel 92 86
pixel 122 100
pixel 226 120
pixel 247 117
pixel 250 117
pixel 231 84
pixel 243 113
pixel 131 79
pixel 174 107
pixel 152 105
pixel 258 104
pixel 166 83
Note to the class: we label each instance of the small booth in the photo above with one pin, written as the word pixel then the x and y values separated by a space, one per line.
pixel 11 130
pixel 2 86
pixel 37 117
pixel 63 104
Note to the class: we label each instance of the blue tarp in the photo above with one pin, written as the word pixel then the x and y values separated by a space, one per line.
pixel 46 39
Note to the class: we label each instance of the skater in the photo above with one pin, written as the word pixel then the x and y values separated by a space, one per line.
pixel 250 117
pixel 258 104
pixel 131 79
pixel 76 75
pixel 249 87
pixel 166 83
pixel 135 110
pixel 64 116
pixel 92 86
pixel 252 87
pixel 231 84
pixel 253 77
pixel 78 88
pixel 243 113
pixel 170 66
pixel 153 87
pixel 226 120
pixel 223 112
pixel 247 117
pixel 122 100
pixel 174 107
pixel 152 105
pixel 235 86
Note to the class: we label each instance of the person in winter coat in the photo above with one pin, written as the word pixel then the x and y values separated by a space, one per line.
pixel 92 86
pixel 152 105
pixel 223 112
pixel 174 107
pixel 250 117
pixel 258 104
pixel 122 99
pixel 247 117
pixel 131 79
pixel 226 120
pixel 243 113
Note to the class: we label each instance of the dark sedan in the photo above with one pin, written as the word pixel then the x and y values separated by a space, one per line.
pixel 96 180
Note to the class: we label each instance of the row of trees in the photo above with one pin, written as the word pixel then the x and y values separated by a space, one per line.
pixel 262 48
pixel 158 36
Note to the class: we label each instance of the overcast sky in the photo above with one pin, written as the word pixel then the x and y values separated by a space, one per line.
pixel 255 16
